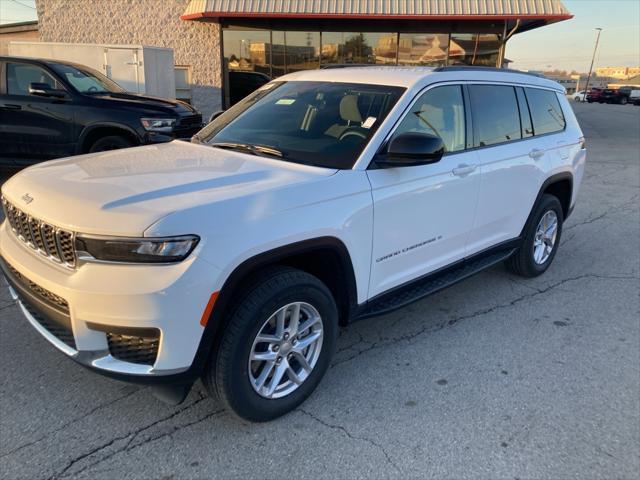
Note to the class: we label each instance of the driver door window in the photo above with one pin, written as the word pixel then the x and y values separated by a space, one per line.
pixel 21 75
pixel 439 112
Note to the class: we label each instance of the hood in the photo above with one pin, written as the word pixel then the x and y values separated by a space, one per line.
pixel 122 192
pixel 135 99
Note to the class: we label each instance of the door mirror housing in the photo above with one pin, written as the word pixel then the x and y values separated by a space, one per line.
pixel 215 115
pixel 412 148
pixel 45 90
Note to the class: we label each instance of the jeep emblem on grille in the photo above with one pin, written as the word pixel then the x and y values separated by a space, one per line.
pixel 27 198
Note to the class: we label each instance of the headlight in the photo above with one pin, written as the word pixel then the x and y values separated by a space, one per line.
pixel 158 124
pixel 135 250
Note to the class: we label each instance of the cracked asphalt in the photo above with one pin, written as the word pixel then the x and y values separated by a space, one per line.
pixel 497 377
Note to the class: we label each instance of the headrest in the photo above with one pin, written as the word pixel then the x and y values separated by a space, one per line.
pixel 349 110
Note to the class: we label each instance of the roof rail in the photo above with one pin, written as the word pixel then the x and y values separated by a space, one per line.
pixel 347 65
pixel 478 68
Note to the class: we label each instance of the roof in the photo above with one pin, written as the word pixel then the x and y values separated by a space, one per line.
pixel 419 77
pixel 549 10
pixel 30 26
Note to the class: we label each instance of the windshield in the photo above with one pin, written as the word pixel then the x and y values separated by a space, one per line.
pixel 86 80
pixel 316 123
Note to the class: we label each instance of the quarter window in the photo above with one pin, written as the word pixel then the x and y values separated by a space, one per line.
pixel 440 112
pixel 545 111
pixel 496 118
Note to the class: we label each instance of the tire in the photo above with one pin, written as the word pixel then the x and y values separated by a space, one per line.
pixel 229 372
pixel 523 262
pixel 623 101
pixel 112 142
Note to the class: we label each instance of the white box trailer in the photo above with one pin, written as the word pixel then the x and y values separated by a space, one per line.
pixel 136 68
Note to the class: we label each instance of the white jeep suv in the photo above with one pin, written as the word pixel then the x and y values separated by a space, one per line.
pixel 323 197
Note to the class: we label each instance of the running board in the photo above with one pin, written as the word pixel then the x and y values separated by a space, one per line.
pixel 431 283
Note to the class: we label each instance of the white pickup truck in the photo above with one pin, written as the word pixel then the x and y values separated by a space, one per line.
pixel 323 197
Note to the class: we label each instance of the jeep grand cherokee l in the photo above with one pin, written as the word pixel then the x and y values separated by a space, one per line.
pixel 51 109
pixel 323 197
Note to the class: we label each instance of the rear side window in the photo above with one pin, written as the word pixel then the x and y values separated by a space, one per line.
pixel 545 111
pixel 525 115
pixel 496 117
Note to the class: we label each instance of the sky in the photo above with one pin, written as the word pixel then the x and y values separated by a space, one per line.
pixel 566 45
pixel 13 11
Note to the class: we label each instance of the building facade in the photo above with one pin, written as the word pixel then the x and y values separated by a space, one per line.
pixel 618 73
pixel 212 38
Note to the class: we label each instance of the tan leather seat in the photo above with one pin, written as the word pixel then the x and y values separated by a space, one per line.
pixel 350 113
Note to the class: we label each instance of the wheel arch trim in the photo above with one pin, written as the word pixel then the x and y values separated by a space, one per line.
pixel 89 129
pixel 558 177
pixel 261 260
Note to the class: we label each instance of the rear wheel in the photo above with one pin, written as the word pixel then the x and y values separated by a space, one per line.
pixel 276 347
pixel 112 142
pixel 541 239
pixel 623 101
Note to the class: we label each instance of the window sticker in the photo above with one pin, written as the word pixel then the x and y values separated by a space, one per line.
pixel 368 123
pixel 285 101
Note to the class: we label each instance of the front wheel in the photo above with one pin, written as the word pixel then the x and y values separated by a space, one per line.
pixel 277 346
pixel 540 240
pixel 111 142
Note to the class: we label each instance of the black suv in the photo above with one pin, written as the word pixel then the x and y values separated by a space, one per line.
pixel 51 109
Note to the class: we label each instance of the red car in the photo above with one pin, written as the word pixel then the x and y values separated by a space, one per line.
pixel 595 95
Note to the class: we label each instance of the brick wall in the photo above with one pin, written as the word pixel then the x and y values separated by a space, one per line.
pixel 142 22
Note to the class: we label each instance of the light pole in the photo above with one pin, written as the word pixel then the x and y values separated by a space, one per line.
pixel 586 87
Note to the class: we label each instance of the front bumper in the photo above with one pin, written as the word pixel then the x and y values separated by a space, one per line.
pixel 81 311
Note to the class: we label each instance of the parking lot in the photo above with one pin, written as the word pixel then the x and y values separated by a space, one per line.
pixel 496 377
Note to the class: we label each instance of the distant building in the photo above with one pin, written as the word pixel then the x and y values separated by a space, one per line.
pixel 14 32
pixel 619 73
pixel 210 38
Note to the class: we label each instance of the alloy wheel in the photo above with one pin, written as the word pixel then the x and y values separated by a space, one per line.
pixel 545 237
pixel 285 350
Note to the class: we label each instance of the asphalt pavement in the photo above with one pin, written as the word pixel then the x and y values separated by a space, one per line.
pixel 497 377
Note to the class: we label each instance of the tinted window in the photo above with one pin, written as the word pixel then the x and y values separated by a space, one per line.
pixel 525 115
pixel 440 112
pixel 86 80
pixel 496 118
pixel 20 75
pixel 319 123
pixel 545 111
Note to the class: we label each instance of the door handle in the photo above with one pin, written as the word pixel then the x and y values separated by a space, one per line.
pixel 11 106
pixel 463 169
pixel 536 153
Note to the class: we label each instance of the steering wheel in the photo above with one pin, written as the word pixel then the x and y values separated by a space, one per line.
pixel 92 89
pixel 352 133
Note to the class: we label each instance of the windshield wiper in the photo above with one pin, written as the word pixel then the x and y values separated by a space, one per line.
pixel 249 148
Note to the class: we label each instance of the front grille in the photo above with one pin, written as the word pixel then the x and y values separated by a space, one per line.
pixel 134 349
pixel 49 297
pixel 54 243
pixel 190 121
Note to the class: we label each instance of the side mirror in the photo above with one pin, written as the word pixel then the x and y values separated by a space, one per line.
pixel 45 90
pixel 215 115
pixel 413 148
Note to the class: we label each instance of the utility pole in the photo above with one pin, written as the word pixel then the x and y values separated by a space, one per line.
pixel 586 87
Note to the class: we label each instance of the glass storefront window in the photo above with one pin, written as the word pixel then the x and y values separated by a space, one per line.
pixel 247 50
pixel 359 48
pixel 474 49
pixel 423 49
pixel 302 51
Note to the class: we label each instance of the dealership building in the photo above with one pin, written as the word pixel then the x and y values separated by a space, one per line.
pixel 211 38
